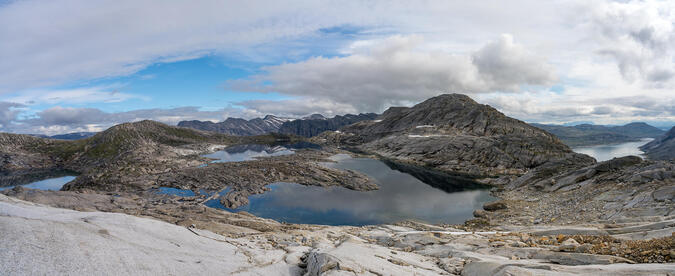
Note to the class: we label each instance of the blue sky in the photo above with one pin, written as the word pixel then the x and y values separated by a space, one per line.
pixel 74 65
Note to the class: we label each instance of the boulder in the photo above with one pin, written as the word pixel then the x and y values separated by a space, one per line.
pixel 494 206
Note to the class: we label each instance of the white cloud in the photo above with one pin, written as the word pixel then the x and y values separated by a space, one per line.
pixel 59 119
pixel 639 36
pixel 395 71
pixel 8 112
pixel 55 41
pixel 604 52
pixel 73 96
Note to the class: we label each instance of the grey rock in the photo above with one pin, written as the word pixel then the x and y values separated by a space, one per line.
pixel 662 148
pixel 665 193
pixel 479 213
pixel 319 263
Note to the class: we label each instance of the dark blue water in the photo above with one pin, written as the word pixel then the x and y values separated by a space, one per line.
pixel 51 184
pixel 401 197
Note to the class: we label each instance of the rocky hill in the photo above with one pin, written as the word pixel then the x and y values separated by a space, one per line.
pixel 308 126
pixel 134 143
pixel 454 133
pixel 662 148
pixel 238 126
pixel 588 135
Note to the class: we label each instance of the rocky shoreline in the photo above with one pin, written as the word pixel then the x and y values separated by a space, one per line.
pixel 559 212
pixel 536 227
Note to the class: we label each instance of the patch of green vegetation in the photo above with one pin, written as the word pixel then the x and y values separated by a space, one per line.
pixel 64 150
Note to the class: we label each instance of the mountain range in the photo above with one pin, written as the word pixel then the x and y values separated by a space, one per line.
pixel 589 135
pixel 308 126
pixel 67 136
pixel 238 126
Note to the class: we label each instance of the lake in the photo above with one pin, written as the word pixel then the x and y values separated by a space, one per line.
pixel 402 196
pixel 48 183
pixel 248 152
pixel 607 152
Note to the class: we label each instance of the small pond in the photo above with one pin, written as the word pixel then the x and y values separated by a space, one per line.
pixel 607 152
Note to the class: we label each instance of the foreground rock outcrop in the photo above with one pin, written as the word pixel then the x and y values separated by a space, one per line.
pixel 44 240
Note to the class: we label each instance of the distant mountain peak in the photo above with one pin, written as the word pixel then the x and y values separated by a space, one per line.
pixel 315 116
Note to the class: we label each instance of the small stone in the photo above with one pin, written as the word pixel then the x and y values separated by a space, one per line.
pixel 479 213
pixel 494 206
pixel 585 248
pixel 498 244
pixel 569 245
pixel 519 244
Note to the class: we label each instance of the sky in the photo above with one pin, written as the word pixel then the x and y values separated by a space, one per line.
pixel 78 65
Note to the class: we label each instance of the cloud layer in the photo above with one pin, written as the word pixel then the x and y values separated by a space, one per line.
pixel 609 61
pixel 395 71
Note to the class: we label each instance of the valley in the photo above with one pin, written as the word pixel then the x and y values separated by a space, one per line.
pixel 448 186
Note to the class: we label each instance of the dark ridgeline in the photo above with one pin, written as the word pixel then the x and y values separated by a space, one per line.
pixel 238 126
pixel 307 127
pixel 314 126
pixel 67 136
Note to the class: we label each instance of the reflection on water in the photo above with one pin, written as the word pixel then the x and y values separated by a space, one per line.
pixel 607 152
pixel 247 152
pixel 52 184
pixel 401 196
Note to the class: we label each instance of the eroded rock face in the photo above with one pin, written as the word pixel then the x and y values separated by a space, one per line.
pixel 613 190
pixel 662 148
pixel 455 134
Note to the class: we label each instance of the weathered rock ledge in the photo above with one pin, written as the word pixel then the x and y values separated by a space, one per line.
pixel 44 240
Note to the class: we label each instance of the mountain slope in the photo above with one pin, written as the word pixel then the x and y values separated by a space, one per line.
pixel 308 126
pixel 588 135
pixel 662 148
pixel 238 126
pixel 453 133
pixel 317 124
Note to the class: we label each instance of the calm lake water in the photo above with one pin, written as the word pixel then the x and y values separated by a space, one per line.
pixel 607 152
pixel 240 153
pixel 401 196
pixel 52 184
